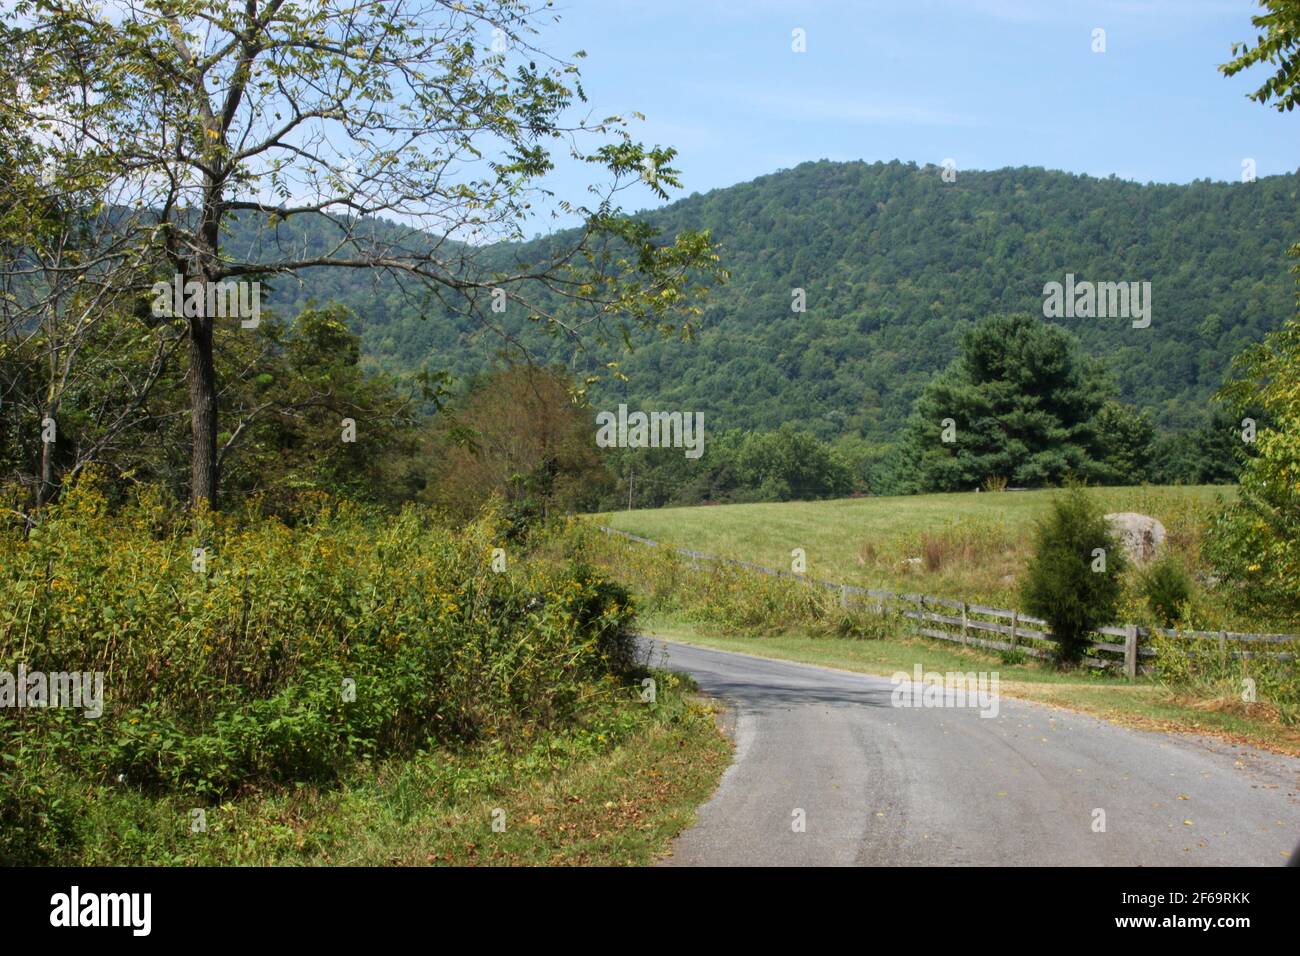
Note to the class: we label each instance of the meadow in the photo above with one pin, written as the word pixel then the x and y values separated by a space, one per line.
pixel 964 546
pixel 971 547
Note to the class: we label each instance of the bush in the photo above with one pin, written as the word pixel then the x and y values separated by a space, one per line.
pixel 1167 587
pixel 38 808
pixel 1060 584
pixel 294 653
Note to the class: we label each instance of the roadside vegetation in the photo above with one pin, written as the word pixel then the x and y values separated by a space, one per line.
pixel 337 612
pixel 245 659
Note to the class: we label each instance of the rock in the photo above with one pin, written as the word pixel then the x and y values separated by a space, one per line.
pixel 912 562
pixel 1141 535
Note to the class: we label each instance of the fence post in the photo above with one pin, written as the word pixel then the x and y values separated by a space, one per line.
pixel 844 595
pixel 1223 643
pixel 965 638
pixel 920 611
pixel 1130 651
pixel 1015 626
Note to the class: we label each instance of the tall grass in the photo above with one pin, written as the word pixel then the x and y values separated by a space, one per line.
pixel 725 597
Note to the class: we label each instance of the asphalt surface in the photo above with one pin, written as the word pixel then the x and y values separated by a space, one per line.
pixel 883 785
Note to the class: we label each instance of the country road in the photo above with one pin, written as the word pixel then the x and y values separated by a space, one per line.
pixel 884 785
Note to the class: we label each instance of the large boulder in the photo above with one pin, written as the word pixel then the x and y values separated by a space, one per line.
pixel 1141 535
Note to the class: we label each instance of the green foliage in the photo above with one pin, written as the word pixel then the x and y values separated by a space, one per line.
pixel 788 464
pixel 1210 453
pixel 1167 587
pixel 234 91
pixel 234 677
pixel 1020 403
pixel 1125 436
pixel 293 384
pixel 1060 583
pixel 898 265
pixel 1278 45
pixel 724 596
pixel 1255 542
pixel 1211 671
pixel 299 383
pixel 519 434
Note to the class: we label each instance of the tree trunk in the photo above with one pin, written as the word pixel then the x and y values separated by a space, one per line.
pixel 202 381
pixel 45 490
pixel 202 378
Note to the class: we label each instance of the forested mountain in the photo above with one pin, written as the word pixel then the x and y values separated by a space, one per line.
pixel 896 264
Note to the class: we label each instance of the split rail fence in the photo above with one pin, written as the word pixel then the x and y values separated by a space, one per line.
pixel 1006 629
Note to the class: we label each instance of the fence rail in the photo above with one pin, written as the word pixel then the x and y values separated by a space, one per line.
pixel 1028 640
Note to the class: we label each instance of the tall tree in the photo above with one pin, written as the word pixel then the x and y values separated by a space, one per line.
pixel 520 435
pixel 438 115
pixel 1126 437
pixel 1020 403
pixel 1255 539
pixel 77 368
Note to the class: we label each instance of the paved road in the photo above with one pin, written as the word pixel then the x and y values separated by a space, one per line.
pixel 886 785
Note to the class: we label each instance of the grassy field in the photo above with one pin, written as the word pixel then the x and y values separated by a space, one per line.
pixel 971 547
pixel 965 546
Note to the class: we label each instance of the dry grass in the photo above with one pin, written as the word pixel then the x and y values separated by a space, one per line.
pixel 965 546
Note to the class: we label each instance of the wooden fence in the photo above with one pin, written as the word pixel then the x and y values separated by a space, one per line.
pixel 1002 629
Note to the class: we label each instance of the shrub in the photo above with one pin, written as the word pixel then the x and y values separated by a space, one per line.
pixel 295 652
pixel 1167 587
pixel 1060 584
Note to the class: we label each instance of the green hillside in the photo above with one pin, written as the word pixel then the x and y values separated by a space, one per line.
pixel 896 264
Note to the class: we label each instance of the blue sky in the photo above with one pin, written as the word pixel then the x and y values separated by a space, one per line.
pixel 989 83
